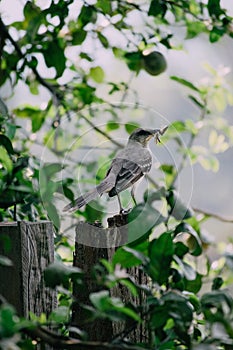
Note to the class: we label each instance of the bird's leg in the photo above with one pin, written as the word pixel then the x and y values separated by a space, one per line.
pixel 133 194
pixel 119 201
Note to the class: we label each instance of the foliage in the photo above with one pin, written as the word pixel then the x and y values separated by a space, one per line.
pixel 176 314
pixel 180 312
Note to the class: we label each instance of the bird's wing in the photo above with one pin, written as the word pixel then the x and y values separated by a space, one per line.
pixel 128 173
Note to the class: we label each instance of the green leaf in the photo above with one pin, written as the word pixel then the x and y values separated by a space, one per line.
pixel 130 127
pixel 22 188
pixel 134 60
pixel 99 299
pixel 130 285
pixel 54 57
pixel 185 83
pixel 217 283
pixel 93 212
pixel 87 15
pixel 214 8
pixel 97 74
pixel 33 87
pixel 5 159
pixel 112 307
pixel 7 321
pixel 216 33
pixel 178 209
pixel 195 285
pixel 172 306
pixel 118 53
pixel 155 196
pixel 36 115
pixel 128 257
pixel 51 169
pixel 37 121
pixel 194 29
pixel 160 253
pixel 53 214
pixel 159 316
pixel 178 125
pixel 196 101
pixel 86 93
pixel 141 221
pixel 217 142
pixel 188 271
pixel 217 299
pixel 191 127
pixel 68 193
pixel 179 309
pixel 181 249
pixel 3 108
pixel 105 6
pixel 6 142
pixel 30 11
pixel 60 315
pixel 194 300
pixel 169 173
pixel 85 56
pixel 112 125
pixel 10 130
pixel 194 242
pixel 157 7
pixel 78 36
pixel 103 40
pixel 209 162
pixel 58 273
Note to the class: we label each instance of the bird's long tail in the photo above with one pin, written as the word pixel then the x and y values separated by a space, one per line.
pixel 79 202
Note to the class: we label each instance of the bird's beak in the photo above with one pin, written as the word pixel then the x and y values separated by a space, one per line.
pixel 158 132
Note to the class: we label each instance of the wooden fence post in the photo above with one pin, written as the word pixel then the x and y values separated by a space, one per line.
pixel 31 250
pixel 93 243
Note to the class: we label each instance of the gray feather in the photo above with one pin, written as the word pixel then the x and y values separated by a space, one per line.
pixel 79 202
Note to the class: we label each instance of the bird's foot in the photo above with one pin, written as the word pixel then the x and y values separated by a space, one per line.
pixel 125 211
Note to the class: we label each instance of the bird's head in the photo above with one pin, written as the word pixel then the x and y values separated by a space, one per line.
pixel 144 135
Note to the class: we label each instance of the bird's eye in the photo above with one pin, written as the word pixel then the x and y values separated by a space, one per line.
pixel 142 133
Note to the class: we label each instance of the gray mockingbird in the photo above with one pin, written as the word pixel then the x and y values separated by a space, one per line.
pixel 129 165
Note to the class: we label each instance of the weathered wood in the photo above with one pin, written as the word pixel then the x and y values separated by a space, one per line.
pixel 32 249
pixel 92 244
pixel 85 257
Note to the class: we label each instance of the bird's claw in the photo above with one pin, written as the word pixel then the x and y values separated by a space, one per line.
pixel 125 211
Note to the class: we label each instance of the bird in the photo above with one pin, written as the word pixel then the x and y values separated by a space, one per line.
pixel 130 164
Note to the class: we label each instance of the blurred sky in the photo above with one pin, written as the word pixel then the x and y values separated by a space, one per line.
pixel 212 191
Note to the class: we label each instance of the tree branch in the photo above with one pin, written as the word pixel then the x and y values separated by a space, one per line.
pixel 213 215
pixel 96 128
pixel 176 4
pixel 42 81
pixel 61 342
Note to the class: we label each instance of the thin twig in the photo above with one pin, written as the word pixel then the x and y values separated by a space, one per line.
pixel 174 3
pixel 127 87
pixel 61 342
pixel 213 215
pixel 96 128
